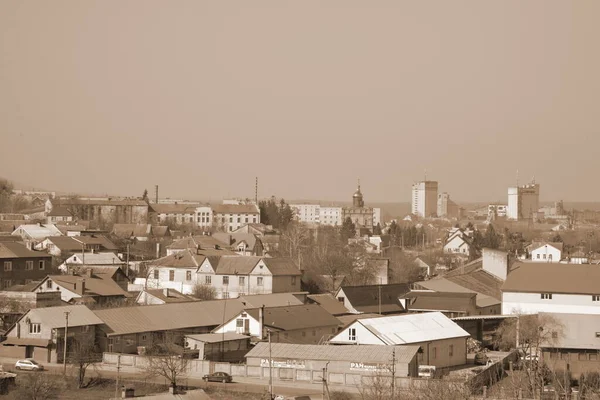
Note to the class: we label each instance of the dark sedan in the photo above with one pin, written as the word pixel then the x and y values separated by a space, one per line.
pixel 218 377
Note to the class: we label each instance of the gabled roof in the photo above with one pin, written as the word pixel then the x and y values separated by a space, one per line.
pixel 54 317
pixel 167 295
pixel 59 211
pixel 174 208
pixel 106 202
pixel 289 318
pixel 363 353
pixel 578 331
pixel 167 317
pixel 65 243
pixel 533 277
pixel 536 245
pixel 18 250
pixel 96 285
pixel 440 301
pixel 131 230
pixel 412 328
pixel 195 242
pixel 96 239
pixel 244 265
pixel 217 337
pixel 329 303
pixel 366 298
pixel 181 259
pixel 95 259
pixel 39 231
pixel 270 300
pixel 235 209
pixel 281 266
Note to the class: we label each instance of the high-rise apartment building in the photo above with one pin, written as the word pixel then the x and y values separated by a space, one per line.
pixel 523 201
pixel 424 198
pixel 446 208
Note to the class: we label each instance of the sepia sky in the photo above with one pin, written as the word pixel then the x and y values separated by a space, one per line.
pixel 200 97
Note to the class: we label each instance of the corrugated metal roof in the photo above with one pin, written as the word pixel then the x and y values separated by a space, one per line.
pixel 534 277
pixel 412 328
pixel 577 331
pixel 352 353
pixel 329 303
pixel 165 317
pixel 95 259
pixel 18 250
pixel 270 300
pixel 290 318
pixel 54 317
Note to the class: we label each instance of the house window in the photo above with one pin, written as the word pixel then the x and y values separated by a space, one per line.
pixel 352 334
pixel 188 275
pixel 42 264
pixel 143 338
pixel 239 323
pixel 259 281
pixel 156 274
pixel 554 335
pixel 242 280
pixel 172 275
pixel 434 353
pixel 35 328
pixel 564 355
pixel 596 297
pixel 451 350
pixel 48 284
pixel 293 280
pixel 29 265
pixel 546 296
pixel 7 283
pixel 225 295
pixel 8 265
pixel 117 339
pixel 225 280
pixel 538 256
pixel 582 356
pixel 208 279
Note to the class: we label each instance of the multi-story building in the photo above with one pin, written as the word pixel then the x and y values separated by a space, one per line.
pixel 446 208
pixel 175 213
pixel 21 265
pixel 523 201
pixel 106 210
pixel 330 216
pixel 361 216
pixel 497 210
pixel 376 216
pixel 204 217
pixel 308 213
pixel 424 198
pixel 229 217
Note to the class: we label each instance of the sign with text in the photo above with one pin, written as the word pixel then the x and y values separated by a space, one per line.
pixel 359 366
pixel 264 362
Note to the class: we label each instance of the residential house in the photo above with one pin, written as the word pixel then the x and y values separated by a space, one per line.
pixel 161 296
pixel 196 243
pixel 381 299
pixel 18 299
pixel 576 345
pixel 245 244
pixel 229 347
pixel 451 304
pixel 233 276
pixel 545 251
pixel 36 232
pixel 273 299
pixel 113 272
pixel 87 288
pixel 443 343
pixel 92 259
pixel 179 214
pixel 40 333
pixel 532 288
pixel 329 303
pixel 59 215
pixel 458 242
pixel 133 329
pixel 141 232
pixel 64 246
pixel 229 217
pixel 579 257
pixel 21 265
pixel 305 323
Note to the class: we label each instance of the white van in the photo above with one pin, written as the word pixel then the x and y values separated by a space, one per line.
pixel 426 371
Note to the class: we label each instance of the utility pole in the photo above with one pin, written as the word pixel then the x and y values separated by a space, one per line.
pixel 270 367
pixel 117 382
pixel 393 371
pixel 379 297
pixel 324 379
pixel 127 267
pixel 65 345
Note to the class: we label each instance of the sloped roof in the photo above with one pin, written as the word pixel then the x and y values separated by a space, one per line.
pixel 195 242
pixel 96 239
pixel 440 301
pixel 167 317
pixel 60 211
pixel 96 285
pixel 366 298
pixel 107 202
pixel 348 319
pixel 535 277
pixel 174 208
pixel 54 317
pixel 289 318
pixel 182 259
pixel 232 265
pixel 65 229
pixel 39 231
pixel 412 328
pixel 217 337
pixel 160 231
pixel 270 300
pixel 578 331
pixel 18 250
pixel 281 266
pixel 329 303
pixel 95 259
pixel 536 245
pixel 442 284
pixel 173 296
pixel 65 243
pixel 235 209
pixel 363 353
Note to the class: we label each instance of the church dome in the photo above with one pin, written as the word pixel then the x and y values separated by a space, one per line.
pixel 357 193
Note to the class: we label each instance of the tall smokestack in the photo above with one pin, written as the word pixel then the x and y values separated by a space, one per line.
pixel 156 194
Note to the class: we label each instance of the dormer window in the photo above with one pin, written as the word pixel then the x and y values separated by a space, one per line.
pixel 546 296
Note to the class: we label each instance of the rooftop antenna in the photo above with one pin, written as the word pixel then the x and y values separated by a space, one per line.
pixel 533 180
pixel 256 190
pixel 358 183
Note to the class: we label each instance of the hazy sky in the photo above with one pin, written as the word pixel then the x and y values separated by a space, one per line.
pixel 202 96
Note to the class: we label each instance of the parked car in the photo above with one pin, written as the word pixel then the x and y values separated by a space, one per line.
pixel 29 365
pixel 218 377
pixel 481 358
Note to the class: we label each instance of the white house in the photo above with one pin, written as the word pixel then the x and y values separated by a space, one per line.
pixel 531 288
pixel 36 232
pixel 92 259
pixel 443 342
pixel 545 251
pixel 458 244
pixel 230 217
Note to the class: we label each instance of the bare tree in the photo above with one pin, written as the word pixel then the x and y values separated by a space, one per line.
pixel 166 360
pixel 294 239
pixel 82 355
pixel 37 387
pixel 204 292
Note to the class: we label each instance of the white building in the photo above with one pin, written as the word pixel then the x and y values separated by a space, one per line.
pixel 36 232
pixel 531 288
pixel 500 210
pixel 523 201
pixel 229 217
pixel 204 217
pixel 176 213
pixel 377 217
pixel 308 213
pixel 424 198
pixel 458 242
pixel 447 208
pixel 330 216
pixel 545 252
